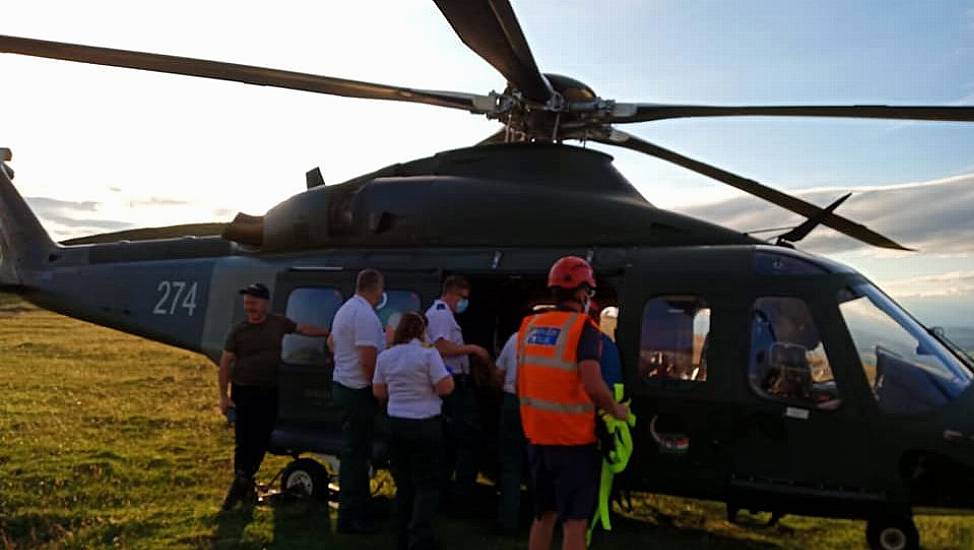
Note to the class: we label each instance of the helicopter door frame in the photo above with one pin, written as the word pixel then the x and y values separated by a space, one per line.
pixel 683 434
pixel 785 449
pixel 309 420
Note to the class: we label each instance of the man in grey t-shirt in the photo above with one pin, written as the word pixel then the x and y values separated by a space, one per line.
pixel 248 384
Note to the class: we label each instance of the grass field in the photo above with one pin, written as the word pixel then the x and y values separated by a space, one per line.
pixel 107 440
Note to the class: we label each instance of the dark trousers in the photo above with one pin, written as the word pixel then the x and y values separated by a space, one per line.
pixel 512 455
pixel 415 447
pixel 256 415
pixel 463 434
pixel 358 417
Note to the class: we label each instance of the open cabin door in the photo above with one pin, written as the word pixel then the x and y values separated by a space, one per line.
pixel 674 335
pixel 308 419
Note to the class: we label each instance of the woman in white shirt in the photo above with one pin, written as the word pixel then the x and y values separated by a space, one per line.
pixel 411 376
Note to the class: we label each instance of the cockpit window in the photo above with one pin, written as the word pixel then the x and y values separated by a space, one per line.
pixel 788 360
pixel 909 371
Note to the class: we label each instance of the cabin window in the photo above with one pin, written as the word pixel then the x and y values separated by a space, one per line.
pixel 788 361
pixel 311 306
pixel 909 370
pixel 673 339
pixel 393 304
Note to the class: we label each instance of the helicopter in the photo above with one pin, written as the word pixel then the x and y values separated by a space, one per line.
pixel 750 363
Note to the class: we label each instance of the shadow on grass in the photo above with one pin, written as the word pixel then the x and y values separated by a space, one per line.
pixel 230 527
pixel 294 524
pixel 629 532
pixel 33 529
pixel 302 524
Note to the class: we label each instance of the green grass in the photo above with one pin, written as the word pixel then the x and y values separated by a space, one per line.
pixel 108 440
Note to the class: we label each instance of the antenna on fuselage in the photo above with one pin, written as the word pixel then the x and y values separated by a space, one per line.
pixel 802 231
pixel 314 178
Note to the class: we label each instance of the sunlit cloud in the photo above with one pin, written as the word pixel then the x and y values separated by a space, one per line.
pixel 955 283
pixel 930 216
pixel 65 219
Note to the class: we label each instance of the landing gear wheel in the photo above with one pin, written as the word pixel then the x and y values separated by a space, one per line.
pixel 892 533
pixel 305 478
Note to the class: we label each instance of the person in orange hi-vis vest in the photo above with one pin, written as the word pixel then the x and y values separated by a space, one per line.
pixel 560 388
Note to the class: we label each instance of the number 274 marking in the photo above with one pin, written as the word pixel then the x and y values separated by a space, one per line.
pixel 171 293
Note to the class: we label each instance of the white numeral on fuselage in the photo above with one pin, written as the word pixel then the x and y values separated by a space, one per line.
pixel 171 292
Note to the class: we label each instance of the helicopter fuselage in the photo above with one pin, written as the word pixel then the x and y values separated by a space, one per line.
pixel 754 370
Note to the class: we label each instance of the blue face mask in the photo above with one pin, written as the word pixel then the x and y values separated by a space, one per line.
pixel 462 305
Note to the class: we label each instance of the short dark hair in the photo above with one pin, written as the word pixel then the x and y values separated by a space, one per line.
pixel 369 280
pixel 411 325
pixel 454 283
pixel 257 290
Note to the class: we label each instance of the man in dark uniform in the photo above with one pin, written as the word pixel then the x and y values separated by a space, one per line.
pixel 248 369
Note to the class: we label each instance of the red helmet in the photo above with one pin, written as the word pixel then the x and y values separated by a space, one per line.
pixel 571 272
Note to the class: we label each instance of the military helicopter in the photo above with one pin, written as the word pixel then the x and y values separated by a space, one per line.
pixel 766 377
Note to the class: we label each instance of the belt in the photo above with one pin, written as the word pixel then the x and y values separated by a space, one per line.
pixel 436 418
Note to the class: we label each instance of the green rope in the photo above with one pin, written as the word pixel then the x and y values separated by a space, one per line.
pixel 618 459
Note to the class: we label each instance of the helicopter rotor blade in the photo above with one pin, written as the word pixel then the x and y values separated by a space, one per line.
pixel 242 73
pixel 491 30
pixel 645 112
pixel 845 226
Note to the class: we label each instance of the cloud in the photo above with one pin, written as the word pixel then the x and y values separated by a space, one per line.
pixel 954 283
pixel 932 216
pixel 41 205
pixel 224 213
pixel 66 219
pixel 156 201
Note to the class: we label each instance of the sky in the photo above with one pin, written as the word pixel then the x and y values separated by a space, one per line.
pixel 98 149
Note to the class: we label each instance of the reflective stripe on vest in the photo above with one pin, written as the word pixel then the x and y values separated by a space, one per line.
pixel 555 409
pixel 574 408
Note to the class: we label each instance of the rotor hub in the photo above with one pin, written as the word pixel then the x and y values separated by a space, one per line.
pixel 571 111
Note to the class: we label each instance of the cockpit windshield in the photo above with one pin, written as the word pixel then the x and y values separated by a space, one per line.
pixel 910 371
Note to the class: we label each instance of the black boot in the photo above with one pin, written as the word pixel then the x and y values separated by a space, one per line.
pixel 249 497
pixel 240 488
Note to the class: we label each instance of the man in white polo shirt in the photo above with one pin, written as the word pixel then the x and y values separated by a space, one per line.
pixel 460 407
pixel 357 337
